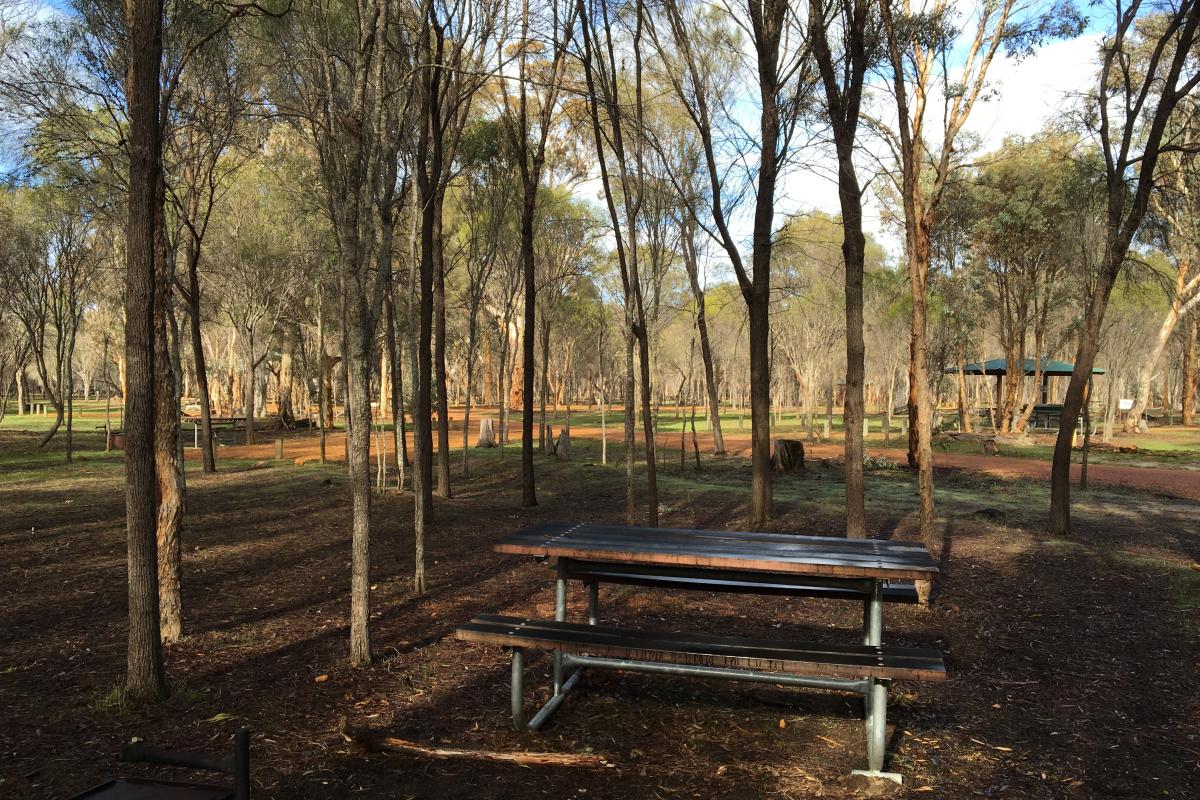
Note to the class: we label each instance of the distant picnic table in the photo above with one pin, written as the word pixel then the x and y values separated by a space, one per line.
pixel 233 423
pixel 869 571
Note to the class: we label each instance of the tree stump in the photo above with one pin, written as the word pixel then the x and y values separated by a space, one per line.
pixel 487 433
pixel 989 447
pixel 563 448
pixel 787 455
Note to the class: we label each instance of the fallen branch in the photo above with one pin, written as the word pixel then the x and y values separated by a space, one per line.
pixel 377 741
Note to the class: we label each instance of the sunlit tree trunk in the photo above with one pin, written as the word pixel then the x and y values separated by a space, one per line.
pixel 1189 375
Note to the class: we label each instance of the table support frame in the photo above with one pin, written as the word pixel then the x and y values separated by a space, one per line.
pixel 873 690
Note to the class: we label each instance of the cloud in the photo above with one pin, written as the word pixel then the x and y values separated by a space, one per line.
pixel 1029 94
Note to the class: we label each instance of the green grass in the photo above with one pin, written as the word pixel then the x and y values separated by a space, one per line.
pixel 1150 451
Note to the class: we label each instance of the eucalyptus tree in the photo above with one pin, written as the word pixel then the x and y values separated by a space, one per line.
pixel 845 43
pixel 622 140
pixel 485 211
pixel 212 136
pixel 46 276
pixel 1148 67
pixel 14 354
pixel 678 155
pixel 778 69
pixel 1175 227
pixel 453 43
pixel 531 100
pixel 927 65
pixel 565 252
pixel 1023 198
pixel 344 83
pixel 145 679
pixel 253 268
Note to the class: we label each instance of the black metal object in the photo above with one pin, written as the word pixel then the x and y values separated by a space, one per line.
pixel 236 765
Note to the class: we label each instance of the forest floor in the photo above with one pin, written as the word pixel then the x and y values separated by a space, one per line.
pixel 1072 659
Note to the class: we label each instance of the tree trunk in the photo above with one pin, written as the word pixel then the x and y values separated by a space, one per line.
pixel 168 452
pixel 964 398
pixel 323 411
pixel 144 680
pixel 1150 364
pixel 21 391
pixel 648 425
pixel 439 355
pixel 853 407
pixel 170 477
pixel 918 266
pixel 761 496
pixel 287 355
pixel 630 445
pixel 830 392
pixel 70 392
pixel 248 386
pixel 472 334
pixel 393 362
pixel 504 379
pixel 1189 376
pixel 544 442
pixel 359 335
pixel 423 406
pixel 193 306
pixel 1060 468
pixel 710 382
pixel 528 489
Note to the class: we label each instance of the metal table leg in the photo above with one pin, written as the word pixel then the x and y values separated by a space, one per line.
pixel 873 615
pixel 560 615
pixel 876 693
pixel 877 733
pixel 518 688
pixel 593 603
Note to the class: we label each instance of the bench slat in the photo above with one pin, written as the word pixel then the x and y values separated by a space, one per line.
pixel 748 582
pixel 803 658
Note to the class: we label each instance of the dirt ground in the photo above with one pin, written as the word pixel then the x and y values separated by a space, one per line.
pixel 1181 482
pixel 1072 660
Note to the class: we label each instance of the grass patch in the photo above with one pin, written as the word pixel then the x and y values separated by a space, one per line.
pixel 112 703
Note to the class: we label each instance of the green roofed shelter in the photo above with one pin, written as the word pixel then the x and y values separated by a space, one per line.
pixel 1043 411
pixel 999 366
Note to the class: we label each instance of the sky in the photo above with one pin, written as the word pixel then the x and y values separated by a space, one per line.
pixel 1027 95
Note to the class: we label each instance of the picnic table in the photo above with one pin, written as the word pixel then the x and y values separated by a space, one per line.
pixel 233 423
pixel 869 571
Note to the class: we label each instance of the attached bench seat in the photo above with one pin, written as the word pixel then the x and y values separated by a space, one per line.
pixel 867 669
pixel 708 650
pixel 765 583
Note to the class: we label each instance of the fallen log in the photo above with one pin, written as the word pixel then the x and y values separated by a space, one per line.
pixel 378 741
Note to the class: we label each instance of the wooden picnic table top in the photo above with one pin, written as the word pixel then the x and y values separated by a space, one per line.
pixel 744 550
